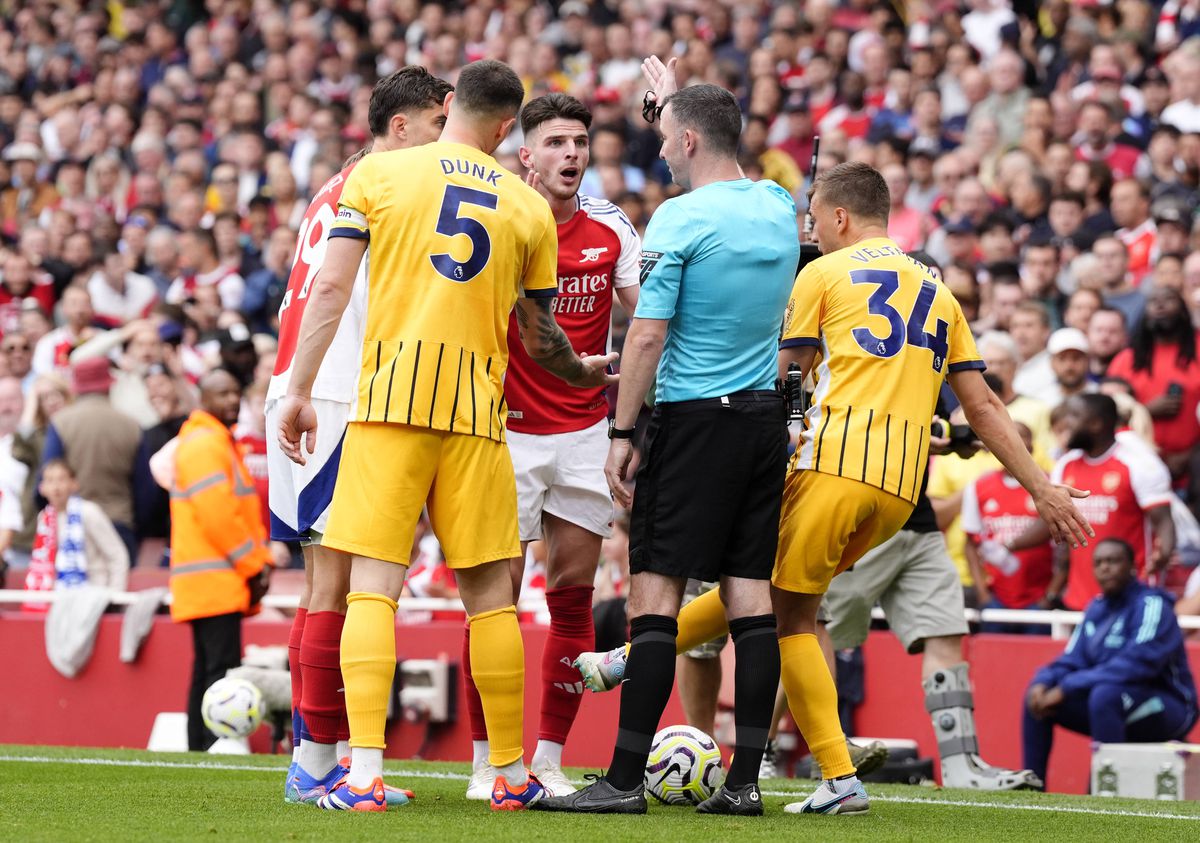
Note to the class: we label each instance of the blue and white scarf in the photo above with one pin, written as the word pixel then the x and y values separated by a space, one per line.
pixel 70 564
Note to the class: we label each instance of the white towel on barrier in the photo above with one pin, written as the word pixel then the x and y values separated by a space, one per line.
pixel 71 626
pixel 139 620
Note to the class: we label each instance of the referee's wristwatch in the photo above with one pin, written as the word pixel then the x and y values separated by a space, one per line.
pixel 615 432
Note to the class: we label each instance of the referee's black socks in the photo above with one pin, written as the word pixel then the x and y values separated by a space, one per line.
pixel 756 679
pixel 649 677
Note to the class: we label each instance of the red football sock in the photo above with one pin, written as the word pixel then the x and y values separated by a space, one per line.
pixel 324 705
pixel 474 703
pixel 294 638
pixel 571 632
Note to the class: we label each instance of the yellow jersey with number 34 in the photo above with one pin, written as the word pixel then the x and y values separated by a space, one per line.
pixel 887 333
pixel 455 239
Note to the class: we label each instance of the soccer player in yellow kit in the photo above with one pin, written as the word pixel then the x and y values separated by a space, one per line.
pixel 455 240
pixel 883 333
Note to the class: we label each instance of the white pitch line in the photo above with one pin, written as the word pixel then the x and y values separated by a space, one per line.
pixel 205 765
pixel 429 774
pixel 1007 806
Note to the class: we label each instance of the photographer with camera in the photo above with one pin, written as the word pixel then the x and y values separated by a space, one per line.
pixel 949 476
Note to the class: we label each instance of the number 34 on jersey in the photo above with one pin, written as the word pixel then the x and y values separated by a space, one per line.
pixel 874 299
pixel 888 332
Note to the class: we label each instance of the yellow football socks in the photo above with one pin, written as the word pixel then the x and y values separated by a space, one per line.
pixel 701 620
pixel 812 698
pixel 368 665
pixel 498 667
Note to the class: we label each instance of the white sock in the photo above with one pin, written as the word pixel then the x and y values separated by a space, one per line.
pixel 547 753
pixel 317 759
pixel 295 753
pixel 515 773
pixel 841 786
pixel 366 765
pixel 480 750
pixel 343 749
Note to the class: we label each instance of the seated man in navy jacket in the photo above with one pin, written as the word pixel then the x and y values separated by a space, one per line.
pixel 1124 677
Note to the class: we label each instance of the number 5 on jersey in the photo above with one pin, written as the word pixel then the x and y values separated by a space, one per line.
pixel 900 331
pixel 451 225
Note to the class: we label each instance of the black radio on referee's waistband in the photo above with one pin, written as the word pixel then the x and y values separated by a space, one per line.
pixel 792 389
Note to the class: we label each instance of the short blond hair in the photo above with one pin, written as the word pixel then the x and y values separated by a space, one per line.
pixel 855 186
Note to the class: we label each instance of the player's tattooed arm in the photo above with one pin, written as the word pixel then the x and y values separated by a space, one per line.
pixel 548 345
pixel 545 339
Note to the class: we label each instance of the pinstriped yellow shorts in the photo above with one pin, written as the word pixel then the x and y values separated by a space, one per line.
pixel 388 472
pixel 826 525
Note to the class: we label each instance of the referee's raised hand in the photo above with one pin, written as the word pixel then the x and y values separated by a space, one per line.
pixel 661 77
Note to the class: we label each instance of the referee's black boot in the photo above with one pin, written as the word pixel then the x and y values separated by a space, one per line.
pixel 746 801
pixel 599 797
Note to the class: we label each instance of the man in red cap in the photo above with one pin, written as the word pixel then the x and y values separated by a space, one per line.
pixel 100 444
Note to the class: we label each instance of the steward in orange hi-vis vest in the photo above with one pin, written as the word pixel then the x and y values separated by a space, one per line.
pixel 218 541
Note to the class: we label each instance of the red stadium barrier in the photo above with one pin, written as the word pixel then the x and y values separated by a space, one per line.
pixel 1002 666
pixel 114 704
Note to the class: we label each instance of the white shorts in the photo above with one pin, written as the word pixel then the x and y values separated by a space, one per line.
pixel 300 494
pixel 562 474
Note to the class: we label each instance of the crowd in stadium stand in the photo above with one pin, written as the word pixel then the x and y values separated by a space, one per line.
pixel 157 158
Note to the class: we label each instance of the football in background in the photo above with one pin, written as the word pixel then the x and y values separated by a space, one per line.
pixel 232 708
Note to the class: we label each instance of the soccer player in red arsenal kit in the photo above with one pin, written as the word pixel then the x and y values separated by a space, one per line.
pixel 1129 487
pixel 997 510
pixel 558 437
pixel 1139 236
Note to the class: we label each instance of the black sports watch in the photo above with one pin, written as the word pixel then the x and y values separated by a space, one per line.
pixel 615 432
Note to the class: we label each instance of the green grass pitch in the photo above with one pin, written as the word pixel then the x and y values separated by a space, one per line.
pixel 73 794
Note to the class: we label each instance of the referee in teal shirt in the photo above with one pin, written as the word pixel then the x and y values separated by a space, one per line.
pixel 718 265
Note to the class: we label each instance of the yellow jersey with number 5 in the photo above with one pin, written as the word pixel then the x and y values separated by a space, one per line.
pixel 454 240
pixel 887 333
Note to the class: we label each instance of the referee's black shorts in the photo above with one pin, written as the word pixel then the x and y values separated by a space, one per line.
pixel 709 488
